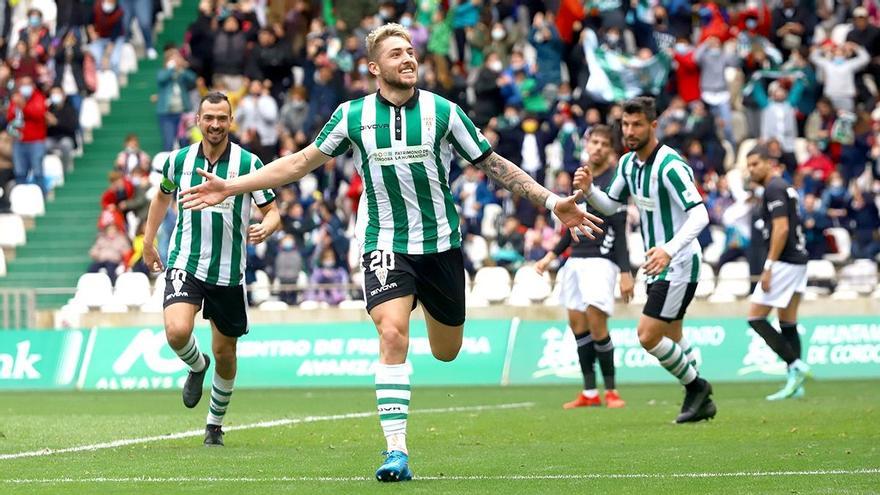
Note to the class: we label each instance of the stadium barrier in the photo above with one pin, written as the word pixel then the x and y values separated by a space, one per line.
pixel 495 351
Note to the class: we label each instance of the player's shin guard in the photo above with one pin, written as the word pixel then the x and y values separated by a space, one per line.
pixel 221 392
pixel 773 339
pixel 587 358
pixel 191 355
pixel 790 335
pixel 605 355
pixel 672 357
pixel 688 351
pixel 392 400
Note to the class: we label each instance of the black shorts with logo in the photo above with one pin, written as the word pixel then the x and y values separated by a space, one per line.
pixel 668 301
pixel 226 306
pixel 435 279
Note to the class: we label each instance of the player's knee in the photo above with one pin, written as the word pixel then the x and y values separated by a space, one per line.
pixel 223 352
pixel 392 338
pixel 177 333
pixel 648 339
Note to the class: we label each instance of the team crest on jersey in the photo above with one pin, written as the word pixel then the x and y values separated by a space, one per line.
pixel 427 122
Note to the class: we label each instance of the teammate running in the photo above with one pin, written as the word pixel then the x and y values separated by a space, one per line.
pixel 408 229
pixel 661 184
pixel 207 256
pixel 785 272
pixel 588 280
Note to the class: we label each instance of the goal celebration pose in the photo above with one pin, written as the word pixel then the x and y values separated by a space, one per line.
pixel 403 141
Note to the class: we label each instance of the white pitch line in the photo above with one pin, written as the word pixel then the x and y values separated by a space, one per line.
pixel 249 426
pixel 513 477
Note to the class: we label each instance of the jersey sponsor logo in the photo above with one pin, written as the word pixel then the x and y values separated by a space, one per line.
pixel 407 154
pixel 644 202
pixel 774 204
pixel 375 126
pixel 178 277
pixel 226 205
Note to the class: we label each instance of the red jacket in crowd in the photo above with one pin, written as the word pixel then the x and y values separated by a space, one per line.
pixel 687 77
pixel 34 118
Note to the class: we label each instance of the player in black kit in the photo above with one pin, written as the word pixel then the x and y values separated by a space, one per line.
pixel 785 272
pixel 588 280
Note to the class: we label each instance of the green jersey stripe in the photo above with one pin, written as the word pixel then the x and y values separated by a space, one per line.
pixel 442 114
pixel 334 120
pixel 235 275
pixel 695 268
pixel 646 191
pixel 680 188
pixel 217 228
pixel 420 181
pixel 195 219
pixel 390 180
pixel 472 131
pixel 178 238
pixel 665 208
pixel 371 236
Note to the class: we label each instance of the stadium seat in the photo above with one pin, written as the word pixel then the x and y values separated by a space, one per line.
pixel 108 86
pixel 93 289
pixel 114 307
pixel 713 251
pixel 308 185
pixel 529 283
pixel 132 289
pixel 733 280
pixel 311 305
pixel 128 62
pixel 53 171
pixel 860 276
pixel 12 231
pixel 273 306
pixel 842 242
pixel 492 283
pixel 839 32
pixel 820 271
pixel 489 225
pixel 553 299
pixel 477 250
pixel 742 151
pixel 844 295
pixel 706 284
pixel 2 263
pixel 27 200
pixel 353 304
pixel 800 150
pixel 475 300
pixel 158 162
pixel 260 289
pixel 90 114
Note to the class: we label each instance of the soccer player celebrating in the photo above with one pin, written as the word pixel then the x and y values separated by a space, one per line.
pixel 672 215
pixel 785 272
pixel 588 279
pixel 407 227
pixel 206 259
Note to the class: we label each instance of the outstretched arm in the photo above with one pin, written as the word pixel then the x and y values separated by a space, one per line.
pixel 279 172
pixel 515 180
pixel 583 181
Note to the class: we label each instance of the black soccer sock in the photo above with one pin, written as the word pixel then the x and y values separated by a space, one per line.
pixel 587 357
pixel 605 355
pixel 773 339
pixel 790 334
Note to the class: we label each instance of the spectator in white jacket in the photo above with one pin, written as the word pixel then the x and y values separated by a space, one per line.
pixel 838 67
pixel 257 113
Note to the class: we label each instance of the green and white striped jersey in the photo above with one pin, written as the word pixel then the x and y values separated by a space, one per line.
pixel 404 154
pixel 663 189
pixel 210 244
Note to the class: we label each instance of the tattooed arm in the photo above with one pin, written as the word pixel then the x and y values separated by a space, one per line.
pixel 515 180
pixel 279 172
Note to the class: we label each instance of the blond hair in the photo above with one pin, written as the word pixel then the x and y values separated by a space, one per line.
pixel 378 35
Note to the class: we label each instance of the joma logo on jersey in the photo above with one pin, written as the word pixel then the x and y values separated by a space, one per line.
pixel 375 126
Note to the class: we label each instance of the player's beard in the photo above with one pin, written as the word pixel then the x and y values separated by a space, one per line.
pixel 641 143
pixel 395 80
pixel 215 138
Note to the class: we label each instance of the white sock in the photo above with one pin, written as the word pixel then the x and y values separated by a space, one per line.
pixel 688 351
pixel 392 401
pixel 221 392
pixel 591 394
pixel 672 357
pixel 191 355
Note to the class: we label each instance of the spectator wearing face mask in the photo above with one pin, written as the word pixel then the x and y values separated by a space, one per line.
pixel 108 251
pixel 230 50
pixel 27 124
pixel 107 33
pixel 132 156
pixel 545 38
pixel 839 68
pixel 288 266
pixel 70 70
pixel 258 112
pixel 327 272
pixel 778 119
pixel 175 81
pixel 687 71
pixel 815 222
pixel 294 114
pixel 865 221
pixel 489 102
pixel 142 11
pixel 713 86
pixel 63 121
pixel 36 35
pixel 271 60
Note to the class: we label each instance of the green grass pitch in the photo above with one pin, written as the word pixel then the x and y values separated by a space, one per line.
pixel 828 442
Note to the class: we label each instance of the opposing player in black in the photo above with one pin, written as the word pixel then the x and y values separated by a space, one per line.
pixel 588 279
pixel 785 272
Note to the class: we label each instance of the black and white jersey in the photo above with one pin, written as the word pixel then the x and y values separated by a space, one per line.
pixel 610 245
pixel 781 200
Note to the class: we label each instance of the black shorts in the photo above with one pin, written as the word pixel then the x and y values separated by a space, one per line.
pixel 436 279
pixel 668 301
pixel 225 305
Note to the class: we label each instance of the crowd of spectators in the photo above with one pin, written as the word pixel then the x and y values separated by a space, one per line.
pixel 800 75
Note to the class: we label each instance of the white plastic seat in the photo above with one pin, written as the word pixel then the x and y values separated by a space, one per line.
pixel 477 250
pixel 108 86
pixel 132 289
pixel 706 283
pixel 260 290
pixel 308 185
pixel 489 224
pixel 820 270
pixel 27 200
pixel 742 152
pixel 714 250
pixel 158 162
pixel 93 289
pixel 492 283
pixel 53 170
pixel 128 61
pixel 800 150
pixel 273 306
pixel 352 304
pixel 311 305
pixel 839 32
pixel 2 263
pixel 844 244
pixel 860 275
pixel 90 114
pixel 733 280
pixel 12 231
pixel 534 286
pixel 114 307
